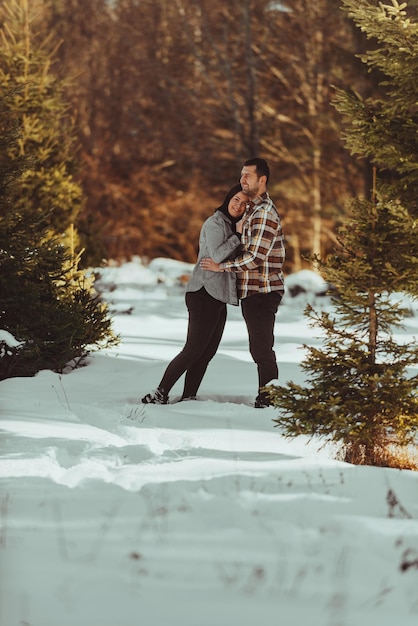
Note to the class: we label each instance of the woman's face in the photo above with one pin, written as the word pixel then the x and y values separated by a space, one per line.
pixel 236 206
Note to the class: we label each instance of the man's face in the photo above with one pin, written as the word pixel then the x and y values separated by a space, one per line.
pixel 249 180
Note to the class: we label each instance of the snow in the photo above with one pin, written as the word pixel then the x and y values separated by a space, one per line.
pixel 196 513
pixel 9 340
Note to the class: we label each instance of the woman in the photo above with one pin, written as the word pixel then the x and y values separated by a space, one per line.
pixel 206 296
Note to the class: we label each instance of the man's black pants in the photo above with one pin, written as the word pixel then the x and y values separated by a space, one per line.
pixel 259 312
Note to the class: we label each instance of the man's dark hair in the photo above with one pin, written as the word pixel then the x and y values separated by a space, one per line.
pixel 261 167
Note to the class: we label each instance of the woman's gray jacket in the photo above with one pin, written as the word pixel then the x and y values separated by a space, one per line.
pixel 217 241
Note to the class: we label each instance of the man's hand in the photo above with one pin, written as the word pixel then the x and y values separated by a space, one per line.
pixel 209 264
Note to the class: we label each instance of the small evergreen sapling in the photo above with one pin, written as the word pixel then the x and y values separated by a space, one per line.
pixel 358 392
pixel 47 304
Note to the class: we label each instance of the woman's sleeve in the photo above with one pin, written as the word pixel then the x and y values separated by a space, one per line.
pixel 220 242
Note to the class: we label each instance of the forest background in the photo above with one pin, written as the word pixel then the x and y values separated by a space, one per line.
pixel 170 97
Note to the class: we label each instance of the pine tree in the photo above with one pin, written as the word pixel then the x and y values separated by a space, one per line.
pixel 384 129
pixel 36 101
pixel 359 392
pixel 47 303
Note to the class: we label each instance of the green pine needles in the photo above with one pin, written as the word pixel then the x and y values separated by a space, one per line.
pixel 46 302
pixel 361 391
pixel 358 392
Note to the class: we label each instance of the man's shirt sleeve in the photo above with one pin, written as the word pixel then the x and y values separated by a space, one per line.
pixel 262 230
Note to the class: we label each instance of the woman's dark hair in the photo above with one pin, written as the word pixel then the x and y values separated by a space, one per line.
pixel 231 193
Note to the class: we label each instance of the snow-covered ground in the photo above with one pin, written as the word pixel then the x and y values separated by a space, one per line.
pixel 195 513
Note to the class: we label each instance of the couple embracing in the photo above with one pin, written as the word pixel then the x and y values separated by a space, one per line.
pixel 241 256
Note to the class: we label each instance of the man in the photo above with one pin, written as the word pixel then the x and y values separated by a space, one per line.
pixel 259 271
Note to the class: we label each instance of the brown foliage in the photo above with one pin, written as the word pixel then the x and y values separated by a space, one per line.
pixel 171 97
pixel 381 454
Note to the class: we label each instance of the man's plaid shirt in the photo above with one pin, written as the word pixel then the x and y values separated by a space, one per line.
pixel 259 266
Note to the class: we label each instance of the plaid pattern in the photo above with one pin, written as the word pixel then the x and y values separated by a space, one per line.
pixel 259 266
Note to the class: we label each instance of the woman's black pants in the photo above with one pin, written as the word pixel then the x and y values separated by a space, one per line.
pixel 207 317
